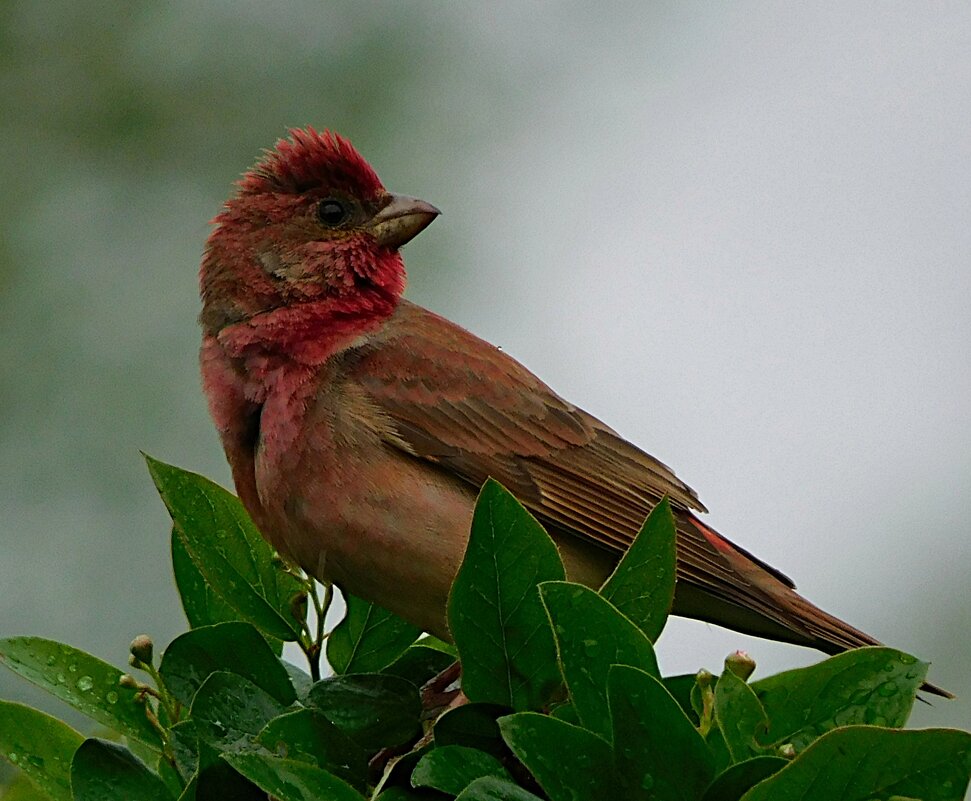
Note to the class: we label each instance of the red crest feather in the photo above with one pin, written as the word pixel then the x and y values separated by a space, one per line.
pixel 312 160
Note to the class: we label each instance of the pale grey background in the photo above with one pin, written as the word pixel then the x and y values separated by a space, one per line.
pixel 737 232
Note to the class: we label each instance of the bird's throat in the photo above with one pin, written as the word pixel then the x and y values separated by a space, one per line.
pixel 306 334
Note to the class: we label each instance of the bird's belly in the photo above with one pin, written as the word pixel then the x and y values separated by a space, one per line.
pixel 376 522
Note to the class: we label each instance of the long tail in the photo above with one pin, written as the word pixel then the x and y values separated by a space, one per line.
pixel 761 601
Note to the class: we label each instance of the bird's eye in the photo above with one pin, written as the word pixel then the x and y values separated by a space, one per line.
pixel 332 212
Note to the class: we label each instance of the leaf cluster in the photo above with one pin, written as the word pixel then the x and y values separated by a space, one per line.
pixel 561 696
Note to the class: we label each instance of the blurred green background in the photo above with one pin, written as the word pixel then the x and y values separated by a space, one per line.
pixel 737 232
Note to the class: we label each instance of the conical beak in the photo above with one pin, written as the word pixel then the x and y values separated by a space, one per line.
pixel 401 220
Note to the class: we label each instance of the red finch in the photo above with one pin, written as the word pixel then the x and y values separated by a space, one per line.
pixel 360 426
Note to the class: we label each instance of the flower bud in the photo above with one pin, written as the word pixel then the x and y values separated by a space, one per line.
pixel 298 606
pixel 787 751
pixel 741 664
pixel 128 681
pixel 141 648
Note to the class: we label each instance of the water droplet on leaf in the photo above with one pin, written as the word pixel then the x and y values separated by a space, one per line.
pixel 85 683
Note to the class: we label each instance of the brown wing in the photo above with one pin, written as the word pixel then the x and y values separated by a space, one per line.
pixel 455 400
pixel 474 410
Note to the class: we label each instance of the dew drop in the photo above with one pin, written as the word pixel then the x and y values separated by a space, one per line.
pixel 73 667
pixel 647 782
pixel 85 683
pixel 61 678
pixel 51 659
pixel 111 697
pixel 13 757
pixel 887 689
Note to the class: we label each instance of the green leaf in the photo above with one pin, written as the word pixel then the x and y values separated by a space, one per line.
pixel 642 585
pixel 290 780
pixel 740 716
pixel 681 688
pixel 201 604
pixel 403 794
pixel 81 680
pixel 373 709
pixel 20 788
pixel 867 763
pixel 228 550
pixel 490 788
pixel 305 735
pixel 419 664
pixel 733 783
pixel 658 750
pixel 235 647
pixel 452 768
pixel 472 725
pixel 873 685
pixel 591 635
pixel 569 762
pixel 229 711
pixel 368 639
pixel 106 771
pixel 300 680
pixel 184 742
pixel 494 611
pixel 40 745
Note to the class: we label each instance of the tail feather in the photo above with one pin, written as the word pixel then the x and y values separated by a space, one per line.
pixel 781 606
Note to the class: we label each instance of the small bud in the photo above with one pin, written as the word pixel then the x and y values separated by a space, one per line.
pixel 298 606
pixel 705 679
pixel 741 664
pixel 141 649
pixel 128 681
pixel 787 751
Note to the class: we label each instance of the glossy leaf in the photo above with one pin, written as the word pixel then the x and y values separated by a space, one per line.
pixel 681 687
pixel 305 735
pixel 106 771
pixel 452 768
pixel 373 709
pixel 659 752
pixel 290 780
pixel 569 762
pixel 419 664
pixel 236 647
pixel 874 685
pixel 591 636
pixel 368 639
pixel 494 611
pixel 20 788
pixel 85 682
pixel 473 725
pixel 228 550
pixel 642 585
pixel 863 763
pixel 40 745
pixel 740 717
pixel 490 788
pixel 202 605
pixel 733 783
pixel 229 711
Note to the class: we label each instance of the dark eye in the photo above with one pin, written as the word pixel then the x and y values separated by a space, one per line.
pixel 332 212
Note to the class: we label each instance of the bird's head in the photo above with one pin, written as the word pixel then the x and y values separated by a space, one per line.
pixel 310 221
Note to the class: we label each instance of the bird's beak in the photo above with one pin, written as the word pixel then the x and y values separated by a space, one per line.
pixel 401 220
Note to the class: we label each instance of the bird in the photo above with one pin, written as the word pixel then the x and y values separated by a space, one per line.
pixel 360 426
